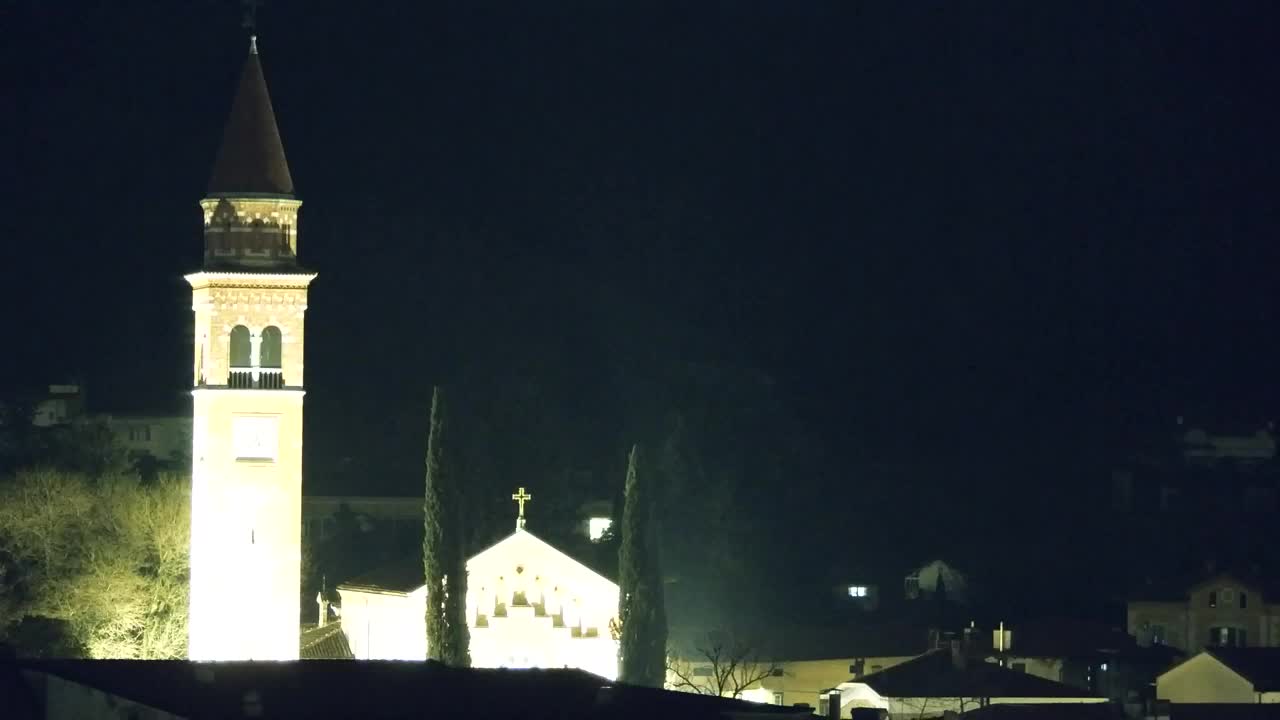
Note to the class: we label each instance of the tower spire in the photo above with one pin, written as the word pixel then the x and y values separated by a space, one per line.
pixel 251 159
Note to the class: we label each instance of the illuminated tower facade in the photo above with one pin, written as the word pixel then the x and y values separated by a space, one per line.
pixel 249 300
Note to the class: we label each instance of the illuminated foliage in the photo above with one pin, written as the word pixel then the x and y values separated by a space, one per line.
pixel 642 648
pixel 107 560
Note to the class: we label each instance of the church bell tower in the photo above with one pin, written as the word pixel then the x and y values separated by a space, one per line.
pixel 249 300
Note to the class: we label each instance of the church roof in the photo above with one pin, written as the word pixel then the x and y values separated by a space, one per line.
pixel 251 159
pixel 406 575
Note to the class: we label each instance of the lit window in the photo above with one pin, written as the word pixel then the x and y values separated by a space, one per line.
pixel 597 526
pixel 857 591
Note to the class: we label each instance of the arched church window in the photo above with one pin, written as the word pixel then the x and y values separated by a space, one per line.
pixel 240 347
pixel 270 350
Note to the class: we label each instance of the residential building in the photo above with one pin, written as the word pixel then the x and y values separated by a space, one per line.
pixel 791 665
pixel 63 404
pixel 948 680
pixel 321 514
pixel 1228 675
pixel 1090 656
pixel 1223 610
pixel 163 438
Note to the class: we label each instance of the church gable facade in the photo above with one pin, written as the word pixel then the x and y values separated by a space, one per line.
pixel 528 605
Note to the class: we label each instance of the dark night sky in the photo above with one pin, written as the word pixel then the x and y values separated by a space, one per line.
pixel 981 236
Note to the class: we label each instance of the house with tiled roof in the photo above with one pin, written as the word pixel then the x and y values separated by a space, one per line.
pixel 1224 675
pixel 949 681
pixel 797 662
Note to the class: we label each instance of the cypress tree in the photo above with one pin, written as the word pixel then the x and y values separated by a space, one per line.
pixel 443 562
pixel 642 647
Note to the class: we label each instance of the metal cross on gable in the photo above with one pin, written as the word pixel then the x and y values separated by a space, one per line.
pixel 521 497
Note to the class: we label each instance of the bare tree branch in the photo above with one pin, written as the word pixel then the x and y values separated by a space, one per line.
pixel 729 666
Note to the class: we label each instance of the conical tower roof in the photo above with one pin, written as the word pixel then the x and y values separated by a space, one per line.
pixel 251 160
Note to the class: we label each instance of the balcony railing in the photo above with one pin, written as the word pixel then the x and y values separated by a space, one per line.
pixel 251 378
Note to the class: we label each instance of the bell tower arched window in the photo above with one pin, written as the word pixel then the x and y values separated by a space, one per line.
pixel 241 347
pixel 270 350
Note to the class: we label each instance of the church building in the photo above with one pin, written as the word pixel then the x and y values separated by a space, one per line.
pixel 249 298
pixel 528 605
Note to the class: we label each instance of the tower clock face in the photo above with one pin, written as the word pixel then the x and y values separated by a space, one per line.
pixel 256 437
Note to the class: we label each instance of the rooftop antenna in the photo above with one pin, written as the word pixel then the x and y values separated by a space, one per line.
pixel 250 23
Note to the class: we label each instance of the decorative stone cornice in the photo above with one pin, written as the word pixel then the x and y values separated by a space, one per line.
pixel 221 279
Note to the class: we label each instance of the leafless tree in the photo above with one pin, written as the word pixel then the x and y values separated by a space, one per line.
pixel 722 664
pixel 109 558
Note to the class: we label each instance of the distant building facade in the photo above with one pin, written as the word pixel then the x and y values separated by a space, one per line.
pixel 165 438
pixel 1222 611
pixel 321 514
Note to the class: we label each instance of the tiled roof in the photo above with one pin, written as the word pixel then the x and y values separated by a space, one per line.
pixel 935 674
pixel 1258 665
pixel 375 690
pixel 251 159
pixel 325 643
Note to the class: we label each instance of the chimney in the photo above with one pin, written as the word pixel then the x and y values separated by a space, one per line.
pixel 324 609
pixel 833 704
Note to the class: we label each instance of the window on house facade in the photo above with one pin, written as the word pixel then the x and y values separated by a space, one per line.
pixel 1244 600
pixel 1020 667
pixel 857 591
pixel 140 433
pixel 777 698
pixel 1158 636
pixel 1213 598
pixel 1227 637
pixel 702 671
